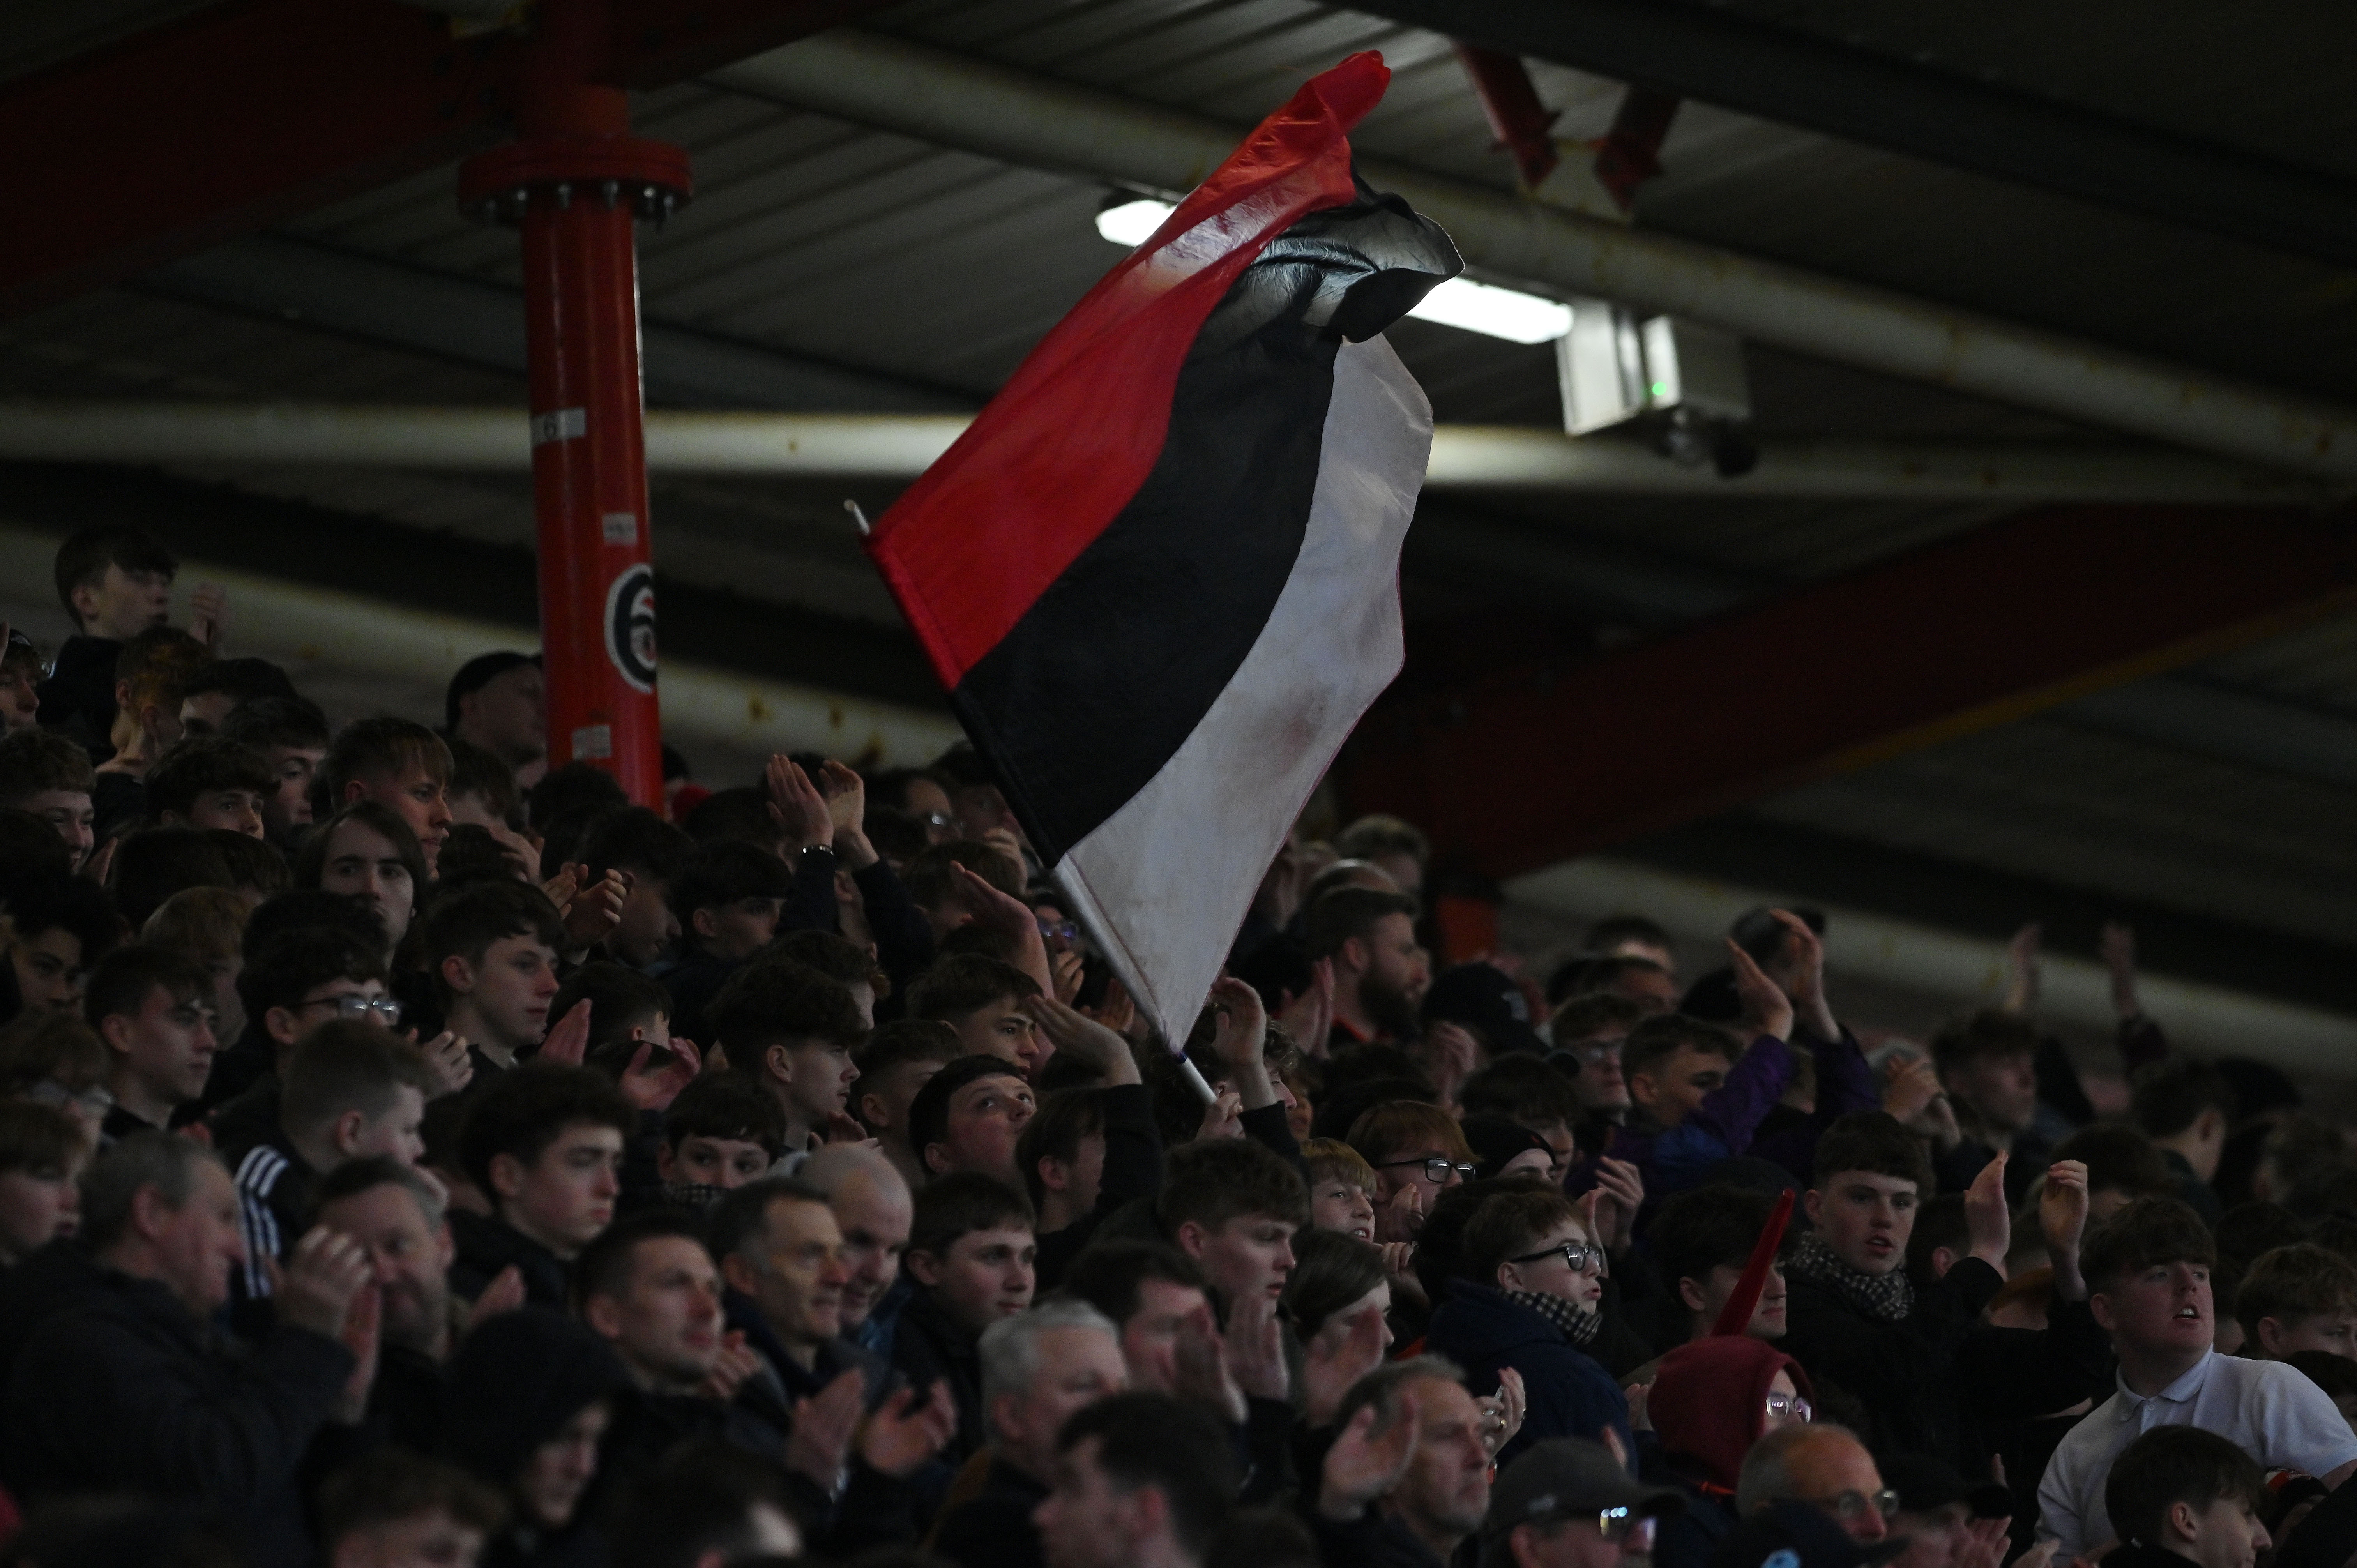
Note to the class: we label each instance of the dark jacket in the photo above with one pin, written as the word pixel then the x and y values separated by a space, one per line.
pixel 128 1392
pixel 1687 1537
pixel 249 1117
pixel 874 1509
pixel 49 1281
pixel 928 1348
pixel 274 1185
pixel 1904 1373
pixel 994 1529
pixel 79 695
pixel 1569 1393
pixel 486 1245
pixel 1133 1169
pixel 514 1383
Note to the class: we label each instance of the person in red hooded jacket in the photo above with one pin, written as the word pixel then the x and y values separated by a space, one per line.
pixel 1712 1399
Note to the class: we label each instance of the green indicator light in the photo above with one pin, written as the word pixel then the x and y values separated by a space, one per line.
pixel 1661 389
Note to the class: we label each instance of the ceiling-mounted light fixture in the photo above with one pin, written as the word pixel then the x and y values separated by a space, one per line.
pixel 1481 308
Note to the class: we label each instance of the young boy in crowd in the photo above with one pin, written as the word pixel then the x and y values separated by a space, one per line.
pixel 352 1090
pixel 2301 1297
pixel 627 1007
pixel 116 582
pixel 403 767
pixel 544 1143
pixel 483 794
pixel 652 855
pixel 42 1152
pixel 1231 1206
pixel 1697 1096
pixel 209 782
pixel 985 1001
pixel 295 982
pixel 1342 1187
pixel 792 1029
pixel 898 1060
pixel 1535 1094
pixel 2186 1106
pixel 2179 1496
pixel 59 928
pixel 727 904
pixel 2147 1271
pixel 392 1508
pixel 970 1255
pixel 153 1010
pixel 21 673
pixel 151 673
pixel 1701 1240
pixel 48 774
pixel 970 1116
pixel 493 949
pixel 292 737
pixel 722 1133
pixel 225 683
pixel 1987 1063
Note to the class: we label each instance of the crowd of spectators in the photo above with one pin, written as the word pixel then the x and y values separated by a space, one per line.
pixel 412 1154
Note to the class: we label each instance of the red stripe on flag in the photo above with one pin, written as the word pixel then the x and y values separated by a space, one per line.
pixel 1736 1315
pixel 1075 430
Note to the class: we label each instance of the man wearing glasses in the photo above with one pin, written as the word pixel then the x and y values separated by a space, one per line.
pixel 1567 1503
pixel 1824 1467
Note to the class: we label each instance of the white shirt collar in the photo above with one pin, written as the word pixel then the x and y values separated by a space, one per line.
pixel 2184 1388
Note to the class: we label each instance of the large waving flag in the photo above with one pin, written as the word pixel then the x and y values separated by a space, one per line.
pixel 1158 574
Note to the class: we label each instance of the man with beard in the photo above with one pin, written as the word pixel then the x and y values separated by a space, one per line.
pixel 395 1213
pixel 1380 970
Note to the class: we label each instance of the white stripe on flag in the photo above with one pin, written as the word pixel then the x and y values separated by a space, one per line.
pixel 1166 879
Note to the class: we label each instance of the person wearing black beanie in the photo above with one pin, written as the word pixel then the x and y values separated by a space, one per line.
pixel 530 1394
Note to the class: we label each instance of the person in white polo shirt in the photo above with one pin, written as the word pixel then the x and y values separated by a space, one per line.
pixel 2148 1273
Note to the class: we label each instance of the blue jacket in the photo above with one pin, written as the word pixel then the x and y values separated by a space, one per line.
pixel 1570 1393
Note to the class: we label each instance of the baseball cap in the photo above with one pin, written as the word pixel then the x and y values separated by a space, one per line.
pixel 477 674
pixel 1798 1535
pixel 1564 1478
pixel 1486 997
pixel 1924 1482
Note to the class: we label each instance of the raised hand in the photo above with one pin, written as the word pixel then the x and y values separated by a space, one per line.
pixel 1011 917
pixel 446 1059
pixel 653 1088
pixel 1200 1366
pixel 1242 1041
pixel 1309 1018
pixel 1255 1348
pixel 1401 1216
pixel 1808 992
pixel 735 1362
pixel 1116 1012
pixel 209 616
pixel 591 909
pixel 1070 969
pixel 1502 1412
pixel 825 1425
pixel 2062 1218
pixel 1987 1221
pixel 1088 1040
pixel 797 806
pixel 904 1432
pixel 504 1294
pixel 361 1336
pixel 568 1040
pixel 1221 1118
pixel 1622 1186
pixel 1450 1055
pixel 1766 1009
pixel 1367 1460
pixel 316 1292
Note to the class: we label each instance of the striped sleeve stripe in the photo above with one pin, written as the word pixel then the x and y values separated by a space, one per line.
pixel 256 1175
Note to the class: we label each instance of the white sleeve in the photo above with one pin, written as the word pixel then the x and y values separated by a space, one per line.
pixel 2058 1502
pixel 2299 1425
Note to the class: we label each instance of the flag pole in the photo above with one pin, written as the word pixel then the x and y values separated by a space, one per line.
pixel 1084 909
pixel 1736 1315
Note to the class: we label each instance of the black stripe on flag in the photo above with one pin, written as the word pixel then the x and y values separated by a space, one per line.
pixel 1114 665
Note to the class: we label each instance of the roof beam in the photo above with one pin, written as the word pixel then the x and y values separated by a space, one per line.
pixel 252 112
pixel 1520 766
pixel 474 321
pixel 1035 122
pixel 1721 56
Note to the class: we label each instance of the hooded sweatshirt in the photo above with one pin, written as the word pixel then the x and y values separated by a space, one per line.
pixel 515 1383
pixel 1709 1406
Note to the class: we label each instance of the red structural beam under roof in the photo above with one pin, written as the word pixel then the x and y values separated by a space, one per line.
pixel 1524 767
pixel 252 112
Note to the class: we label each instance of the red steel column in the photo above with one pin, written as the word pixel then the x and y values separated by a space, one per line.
pixel 575 186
